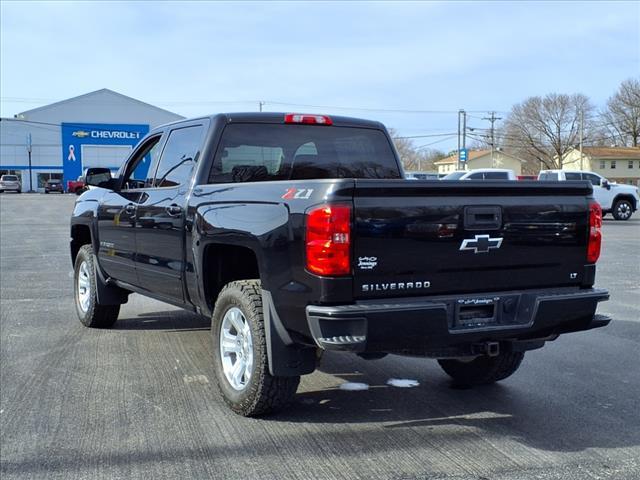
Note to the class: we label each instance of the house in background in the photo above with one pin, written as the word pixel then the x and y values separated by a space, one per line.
pixel 481 159
pixel 618 164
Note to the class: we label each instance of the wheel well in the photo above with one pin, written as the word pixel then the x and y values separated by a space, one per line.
pixel 625 197
pixel 222 264
pixel 80 235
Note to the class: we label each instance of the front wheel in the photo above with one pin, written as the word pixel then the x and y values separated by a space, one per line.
pixel 622 210
pixel 482 370
pixel 90 312
pixel 240 353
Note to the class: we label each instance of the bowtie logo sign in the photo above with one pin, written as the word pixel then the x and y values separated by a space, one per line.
pixel 72 155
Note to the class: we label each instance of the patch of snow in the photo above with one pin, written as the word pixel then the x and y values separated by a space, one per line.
pixel 354 386
pixel 402 382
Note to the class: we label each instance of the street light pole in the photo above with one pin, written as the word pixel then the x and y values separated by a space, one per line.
pixel 30 169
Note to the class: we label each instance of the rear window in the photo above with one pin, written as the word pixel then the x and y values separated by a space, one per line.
pixel 548 176
pixel 262 152
pixel 9 178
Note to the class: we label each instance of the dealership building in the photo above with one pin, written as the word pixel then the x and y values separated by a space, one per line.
pixel 63 139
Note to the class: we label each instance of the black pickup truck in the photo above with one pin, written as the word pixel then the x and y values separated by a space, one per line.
pixel 298 233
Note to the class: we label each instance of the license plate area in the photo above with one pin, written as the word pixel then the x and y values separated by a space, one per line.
pixel 474 313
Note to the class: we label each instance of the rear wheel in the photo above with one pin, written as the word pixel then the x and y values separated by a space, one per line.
pixel 622 210
pixel 482 370
pixel 240 353
pixel 90 312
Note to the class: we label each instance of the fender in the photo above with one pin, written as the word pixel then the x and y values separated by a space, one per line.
pixel 625 196
pixel 85 214
pixel 262 228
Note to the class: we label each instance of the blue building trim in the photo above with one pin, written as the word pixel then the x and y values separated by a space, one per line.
pixel 34 167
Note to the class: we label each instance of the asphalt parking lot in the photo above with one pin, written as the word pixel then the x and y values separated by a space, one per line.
pixel 139 400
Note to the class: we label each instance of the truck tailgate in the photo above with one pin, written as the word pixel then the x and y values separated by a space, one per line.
pixel 416 238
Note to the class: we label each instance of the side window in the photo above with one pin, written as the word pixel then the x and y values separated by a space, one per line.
pixel 475 176
pixel 572 176
pixel 496 176
pixel 137 174
pixel 178 157
pixel 594 179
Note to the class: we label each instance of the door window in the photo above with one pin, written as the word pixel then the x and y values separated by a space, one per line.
pixel 178 157
pixel 594 179
pixel 475 176
pixel 572 176
pixel 137 171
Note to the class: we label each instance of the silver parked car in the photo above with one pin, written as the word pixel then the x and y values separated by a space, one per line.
pixel 10 183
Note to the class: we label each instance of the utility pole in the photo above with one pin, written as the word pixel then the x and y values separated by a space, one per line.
pixel 464 130
pixel 581 137
pixel 459 115
pixel 260 105
pixel 492 119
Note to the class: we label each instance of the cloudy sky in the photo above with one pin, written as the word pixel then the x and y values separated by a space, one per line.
pixel 411 65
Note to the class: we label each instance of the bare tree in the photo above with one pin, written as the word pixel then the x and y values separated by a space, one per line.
pixel 412 157
pixel 544 129
pixel 622 114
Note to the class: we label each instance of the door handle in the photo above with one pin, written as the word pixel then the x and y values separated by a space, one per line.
pixel 130 208
pixel 174 209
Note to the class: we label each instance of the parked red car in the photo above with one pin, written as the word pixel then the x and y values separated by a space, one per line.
pixel 527 177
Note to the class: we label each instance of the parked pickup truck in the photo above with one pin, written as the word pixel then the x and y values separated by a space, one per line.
pixel 298 233
pixel 76 186
pixel 619 200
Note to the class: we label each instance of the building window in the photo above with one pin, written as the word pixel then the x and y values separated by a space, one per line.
pixel 602 165
pixel 613 164
pixel 630 164
pixel 44 177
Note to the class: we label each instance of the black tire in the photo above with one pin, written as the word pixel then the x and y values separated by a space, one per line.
pixel 622 210
pixel 482 370
pixel 95 315
pixel 263 392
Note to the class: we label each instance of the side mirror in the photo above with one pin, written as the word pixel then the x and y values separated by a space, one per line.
pixel 606 184
pixel 98 177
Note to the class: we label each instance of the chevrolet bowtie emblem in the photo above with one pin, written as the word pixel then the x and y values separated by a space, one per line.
pixel 80 134
pixel 481 244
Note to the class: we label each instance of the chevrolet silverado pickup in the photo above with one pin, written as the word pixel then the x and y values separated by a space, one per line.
pixel 298 233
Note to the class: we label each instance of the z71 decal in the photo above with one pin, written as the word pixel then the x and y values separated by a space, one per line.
pixel 298 193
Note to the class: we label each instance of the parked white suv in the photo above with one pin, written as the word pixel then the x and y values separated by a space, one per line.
pixel 618 199
pixel 10 183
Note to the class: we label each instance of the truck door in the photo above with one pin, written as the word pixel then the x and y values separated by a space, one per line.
pixel 117 216
pixel 603 196
pixel 160 220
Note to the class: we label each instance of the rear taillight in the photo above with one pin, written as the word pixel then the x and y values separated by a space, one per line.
pixel 328 240
pixel 595 232
pixel 307 118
